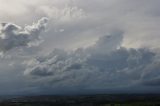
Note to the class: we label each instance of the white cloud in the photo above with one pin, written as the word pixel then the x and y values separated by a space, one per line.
pixel 12 36
pixel 60 15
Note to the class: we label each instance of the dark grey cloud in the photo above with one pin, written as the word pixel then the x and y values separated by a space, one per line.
pixel 102 65
pixel 12 36
pixel 152 82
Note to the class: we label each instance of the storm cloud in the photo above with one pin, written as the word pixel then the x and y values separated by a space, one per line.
pixel 101 65
pixel 87 44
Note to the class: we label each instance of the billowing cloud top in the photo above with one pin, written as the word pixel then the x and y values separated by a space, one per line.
pixel 99 66
pixel 12 35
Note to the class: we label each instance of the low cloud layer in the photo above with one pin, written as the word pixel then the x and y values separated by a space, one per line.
pixel 12 36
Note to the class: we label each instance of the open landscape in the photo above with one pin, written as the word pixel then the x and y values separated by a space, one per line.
pixel 85 100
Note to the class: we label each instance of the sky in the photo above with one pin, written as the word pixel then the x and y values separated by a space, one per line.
pixel 79 46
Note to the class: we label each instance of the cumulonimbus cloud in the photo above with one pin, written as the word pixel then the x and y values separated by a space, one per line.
pixel 94 66
pixel 12 35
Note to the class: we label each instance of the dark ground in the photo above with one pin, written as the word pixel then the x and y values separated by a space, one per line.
pixel 85 100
